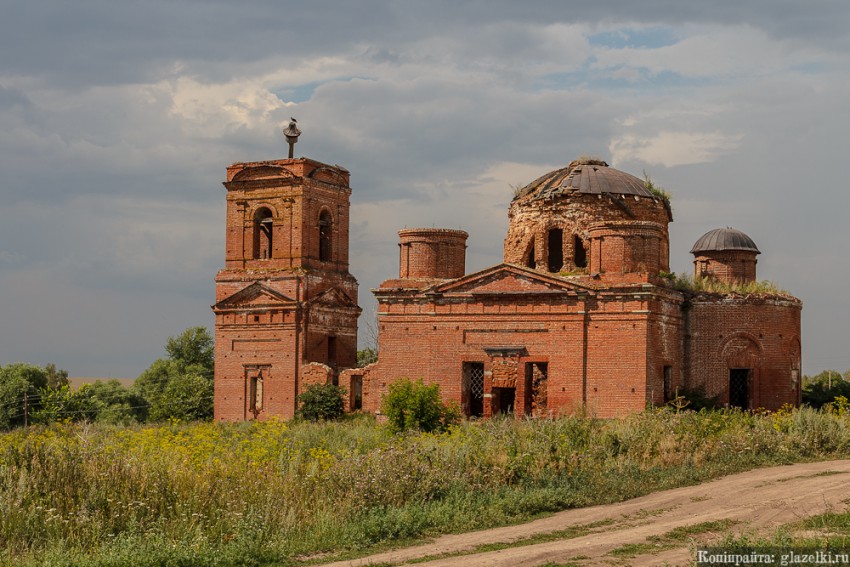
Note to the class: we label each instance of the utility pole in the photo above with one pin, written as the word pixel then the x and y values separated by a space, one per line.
pixel 26 408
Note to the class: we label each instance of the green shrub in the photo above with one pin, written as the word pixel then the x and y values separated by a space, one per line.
pixel 413 405
pixel 188 397
pixel 321 402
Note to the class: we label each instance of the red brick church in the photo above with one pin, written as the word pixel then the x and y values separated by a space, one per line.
pixel 578 315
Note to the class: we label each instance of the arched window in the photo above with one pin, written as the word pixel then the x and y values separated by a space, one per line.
pixel 556 250
pixel 325 236
pixel 579 252
pixel 530 260
pixel 263 232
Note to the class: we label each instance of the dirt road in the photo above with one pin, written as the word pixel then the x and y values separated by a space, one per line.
pixel 665 523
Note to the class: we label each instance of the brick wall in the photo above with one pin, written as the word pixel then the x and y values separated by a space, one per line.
pixel 612 350
pixel 594 345
pixel 575 215
pixel 438 253
pixel 761 334
pixel 729 266
pixel 292 305
pixel 633 246
pixel 609 339
pixel 315 373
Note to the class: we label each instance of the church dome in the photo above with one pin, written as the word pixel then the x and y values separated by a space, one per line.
pixel 721 239
pixel 587 176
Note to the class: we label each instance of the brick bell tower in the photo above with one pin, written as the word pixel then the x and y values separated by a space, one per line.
pixel 285 300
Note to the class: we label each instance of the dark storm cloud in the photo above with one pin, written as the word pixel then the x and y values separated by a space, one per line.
pixel 101 42
pixel 117 121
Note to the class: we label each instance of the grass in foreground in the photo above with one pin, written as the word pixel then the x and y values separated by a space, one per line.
pixel 826 531
pixel 279 493
pixel 672 539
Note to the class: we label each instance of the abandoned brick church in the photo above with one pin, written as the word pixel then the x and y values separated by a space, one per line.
pixel 578 315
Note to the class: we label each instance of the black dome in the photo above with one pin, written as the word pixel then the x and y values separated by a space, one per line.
pixel 591 176
pixel 724 239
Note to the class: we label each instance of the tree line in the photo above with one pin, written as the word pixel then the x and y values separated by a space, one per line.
pixel 178 386
pixel 825 387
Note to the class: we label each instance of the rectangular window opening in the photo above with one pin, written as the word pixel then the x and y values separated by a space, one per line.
pixel 332 352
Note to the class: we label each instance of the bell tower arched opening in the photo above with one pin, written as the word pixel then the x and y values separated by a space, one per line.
pixel 263 234
pixel 325 236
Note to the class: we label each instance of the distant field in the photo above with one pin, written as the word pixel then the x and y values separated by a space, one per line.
pixel 77 382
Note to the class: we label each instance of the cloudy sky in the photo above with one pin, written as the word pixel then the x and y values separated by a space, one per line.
pixel 117 120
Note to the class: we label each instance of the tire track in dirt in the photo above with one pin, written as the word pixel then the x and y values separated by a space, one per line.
pixel 755 501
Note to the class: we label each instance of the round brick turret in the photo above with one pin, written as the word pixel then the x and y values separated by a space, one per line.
pixel 432 253
pixel 726 255
pixel 592 218
pixel 628 247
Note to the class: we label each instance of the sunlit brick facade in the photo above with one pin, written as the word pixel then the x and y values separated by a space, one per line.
pixel 581 315
pixel 286 306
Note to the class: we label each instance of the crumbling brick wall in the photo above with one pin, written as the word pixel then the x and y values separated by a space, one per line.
pixel 576 215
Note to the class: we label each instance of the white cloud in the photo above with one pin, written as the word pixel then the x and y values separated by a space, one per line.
pixel 670 149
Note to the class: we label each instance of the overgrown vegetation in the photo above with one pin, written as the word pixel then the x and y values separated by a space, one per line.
pixel 273 493
pixel 321 402
pixel 689 284
pixel 657 191
pixel 412 405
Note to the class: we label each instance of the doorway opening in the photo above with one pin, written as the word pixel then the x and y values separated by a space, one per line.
pixel 473 388
pixel 536 387
pixel 739 395
pixel 504 400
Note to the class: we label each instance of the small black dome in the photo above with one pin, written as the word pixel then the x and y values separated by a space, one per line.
pixel 724 239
